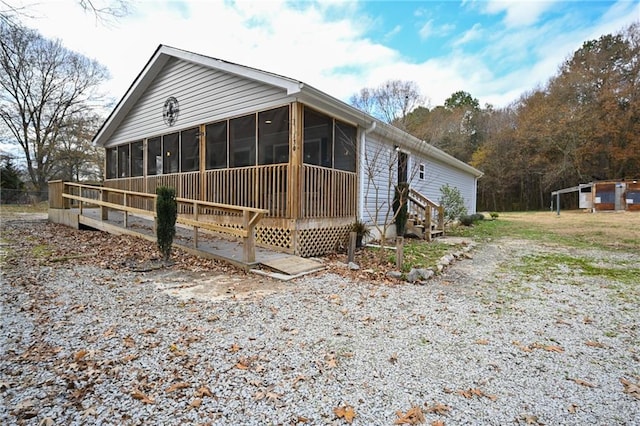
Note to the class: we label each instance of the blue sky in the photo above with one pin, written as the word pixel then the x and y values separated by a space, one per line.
pixel 495 50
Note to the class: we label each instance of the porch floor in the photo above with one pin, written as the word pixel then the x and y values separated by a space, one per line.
pixel 210 245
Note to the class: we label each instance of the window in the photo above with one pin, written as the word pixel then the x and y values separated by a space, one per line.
pixel 216 145
pixel 345 147
pixel 123 161
pixel 154 157
pixel 171 157
pixel 112 163
pixel 190 152
pixel 273 136
pixel 318 139
pixel 242 141
pixel 421 171
pixel 137 159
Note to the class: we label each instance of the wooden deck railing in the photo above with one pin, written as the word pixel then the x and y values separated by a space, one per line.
pixel 192 211
pixel 430 213
pixel 327 193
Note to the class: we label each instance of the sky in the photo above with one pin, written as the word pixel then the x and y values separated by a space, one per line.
pixel 494 50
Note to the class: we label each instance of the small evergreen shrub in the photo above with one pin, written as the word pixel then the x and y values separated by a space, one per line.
pixel 494 215
pixel 466 220
pixel 167 211
pixel 453 203
pixel 477 217
pixel 400 207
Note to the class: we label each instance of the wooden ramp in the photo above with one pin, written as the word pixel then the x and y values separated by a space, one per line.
pixel 288 267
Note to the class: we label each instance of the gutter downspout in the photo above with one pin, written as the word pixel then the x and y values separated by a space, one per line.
pixel 363 147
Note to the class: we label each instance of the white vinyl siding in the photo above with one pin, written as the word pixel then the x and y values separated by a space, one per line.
pixel 380 175
pixel 438 174
pixel 204 95
pixel 381 172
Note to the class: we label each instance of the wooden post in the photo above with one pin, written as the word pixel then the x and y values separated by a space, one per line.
pixel 351 250
pixel 249 242
pixel 400 252
pixel 195 228
pixel 126 215
pixel 104 211
pixel 427 220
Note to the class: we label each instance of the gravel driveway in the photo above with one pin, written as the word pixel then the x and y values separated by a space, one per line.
pixel 83 342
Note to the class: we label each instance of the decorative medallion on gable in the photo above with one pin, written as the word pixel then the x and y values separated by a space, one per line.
pixel 170 111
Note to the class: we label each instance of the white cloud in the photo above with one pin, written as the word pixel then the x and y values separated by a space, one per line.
pixel 519 12
pixel 472 34
pixel 327 45
pixel 426 30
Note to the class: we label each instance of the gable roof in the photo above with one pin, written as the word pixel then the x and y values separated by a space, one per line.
pixel 295 88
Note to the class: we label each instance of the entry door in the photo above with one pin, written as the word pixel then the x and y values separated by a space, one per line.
pixel 403 167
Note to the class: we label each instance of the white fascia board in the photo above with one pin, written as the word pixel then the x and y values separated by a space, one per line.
pixel 290 85
pixel 415 145
pixel 131 96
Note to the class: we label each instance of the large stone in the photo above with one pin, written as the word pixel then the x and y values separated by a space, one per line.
pixel 394 274
pixel 353 266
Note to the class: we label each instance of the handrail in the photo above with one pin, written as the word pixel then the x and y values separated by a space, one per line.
pixel 427 211
pixel 251 216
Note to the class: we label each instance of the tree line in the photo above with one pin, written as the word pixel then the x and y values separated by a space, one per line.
pixel 583 125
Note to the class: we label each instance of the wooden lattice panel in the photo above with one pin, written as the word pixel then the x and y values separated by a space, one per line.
pixel 319 241
pixel 274 237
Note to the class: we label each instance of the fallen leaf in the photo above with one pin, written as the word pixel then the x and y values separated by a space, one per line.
pixel 234 348
pixel 437 408
pixel 346 412
pixel 412 417
pixel 482 342
pixel 530 419
pixel 572 408
pixel 176 386
pixel 393 358
pixel 80 354
pixel 583 383
pixel 129 342
pixel 437 423
pixel 594 344
pixel 631 388
pixel 109 332
pixel 136 394
pixel 195 403
pixel 204 391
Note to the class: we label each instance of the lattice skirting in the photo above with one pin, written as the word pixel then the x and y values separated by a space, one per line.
pixel 319 241
pixel 274 237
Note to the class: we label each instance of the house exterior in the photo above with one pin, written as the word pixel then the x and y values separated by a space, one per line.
pixel 226 133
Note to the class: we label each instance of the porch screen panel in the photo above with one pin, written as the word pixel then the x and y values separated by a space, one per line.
pixel 154 157
pixel 123 161
pixel 171 151
pixel 273 136
pixel 344 157
pixel 137 158
pixel 242 141
pixel 112 163
pixel 190 150
pixel 216 145
pixel 318 139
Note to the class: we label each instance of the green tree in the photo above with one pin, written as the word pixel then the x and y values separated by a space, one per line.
pixel 167 213
pixel 11 185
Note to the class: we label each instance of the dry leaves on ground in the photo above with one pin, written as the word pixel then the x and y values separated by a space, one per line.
pixel 412 417
pixel 631 388
pixel 345 412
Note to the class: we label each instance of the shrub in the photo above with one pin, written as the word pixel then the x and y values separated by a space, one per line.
pixel 477 217
pixel 167 211
pixel 466 220
pixel 453 203
pixel 494 215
